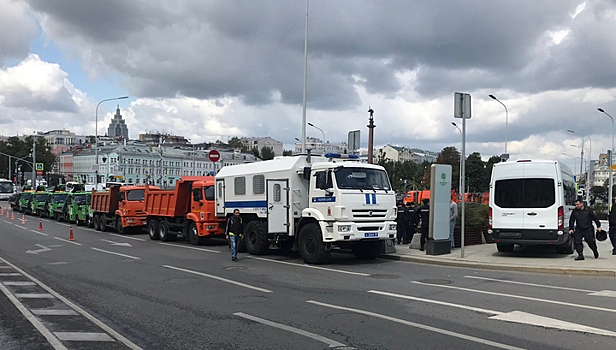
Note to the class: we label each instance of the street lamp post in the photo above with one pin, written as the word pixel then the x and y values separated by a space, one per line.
pixel 506 120
pixel 322 132
pixel 589 152
pixel 96 131
pixel 609 162
pixel 459 181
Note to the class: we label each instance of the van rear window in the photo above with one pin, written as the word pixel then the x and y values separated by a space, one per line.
pixel 524 193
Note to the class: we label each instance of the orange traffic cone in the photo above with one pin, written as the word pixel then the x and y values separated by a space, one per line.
pixel 12 216
pixel 23 218
pixel 2 211
pixel 71 238
pixel 40 224
pixel 7 214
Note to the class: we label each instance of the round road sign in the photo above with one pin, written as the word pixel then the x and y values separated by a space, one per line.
pixel 214 155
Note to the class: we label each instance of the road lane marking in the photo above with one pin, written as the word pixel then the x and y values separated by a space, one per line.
pixel 67 241
pixel 419 325
pixel 513 316
pixel 330 342
pixel 8 222
pixel 42 250
pixel 83 336
pixel 5 267
pixel 39 232
pixel 124 255
pixel 117 243
pixel 219 278
pixel 13 283
pixel 529 284
pixel 91 318
pixel 53 341
pixel 22 227
pixel 432 301
pixel 10 274
pixel 34 296
pixel 135 238
pixel 42 312
pixel 309 266
pixel 517 297
pixel 188 247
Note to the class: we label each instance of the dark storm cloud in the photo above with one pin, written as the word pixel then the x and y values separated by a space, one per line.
pixel 254 49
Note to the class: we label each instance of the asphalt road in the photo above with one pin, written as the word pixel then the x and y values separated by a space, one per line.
pixel 119 292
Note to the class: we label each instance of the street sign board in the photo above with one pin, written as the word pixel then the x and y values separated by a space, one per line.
pixel 39 167
pixel 354 139
pixel 614 167
pixel 39 172
pixel 462 104
pixel 214 155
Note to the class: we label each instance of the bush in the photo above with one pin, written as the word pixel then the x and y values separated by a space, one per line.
pixel 475 215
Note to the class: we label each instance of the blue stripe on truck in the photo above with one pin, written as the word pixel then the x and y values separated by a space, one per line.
pixel 246 204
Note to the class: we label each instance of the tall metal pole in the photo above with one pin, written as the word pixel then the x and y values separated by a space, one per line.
pixel 463 174
pixel 506 120
pixel 305 81
pixel 582 158
pixel 371 127
pixel 34 163
pixel 461 156
pixel 96 133
pixel 609 162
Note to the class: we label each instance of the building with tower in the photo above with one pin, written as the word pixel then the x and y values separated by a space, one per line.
pixel 118 128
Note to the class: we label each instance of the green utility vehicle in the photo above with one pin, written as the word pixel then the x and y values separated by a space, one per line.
pixel 37 204
pixel 77 208
pixel 55 206
pixel 24 201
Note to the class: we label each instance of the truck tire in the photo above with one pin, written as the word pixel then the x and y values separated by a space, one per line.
pixel 193 235
pixel 163 231
pixel 153 229
pixel 311 246
pixel 255 238
pixel 67 217
pixel 89 221
pixel 118 225
pixel 366 250
pixel 504 247
pixel 566 248
pixel 102 222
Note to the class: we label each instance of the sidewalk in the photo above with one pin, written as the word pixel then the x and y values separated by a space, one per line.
pixel 527 259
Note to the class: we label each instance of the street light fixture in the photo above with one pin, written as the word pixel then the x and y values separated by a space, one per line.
pixel 506 120
pixel 589 149
pixel 610 157
pixel 321 130
pixel 96 131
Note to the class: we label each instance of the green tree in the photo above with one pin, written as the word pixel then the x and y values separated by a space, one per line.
pixel 255 151
pixel 235 142
pixel 19 148
pixel 476 178
pixel 267 153
pixel 451 156
pixel 287 152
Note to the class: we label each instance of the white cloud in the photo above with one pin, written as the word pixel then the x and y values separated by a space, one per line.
pixel 581 7
pixel 17 29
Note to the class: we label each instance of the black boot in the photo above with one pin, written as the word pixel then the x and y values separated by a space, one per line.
pixel 579 257
pixel 613 251
pixel 596 252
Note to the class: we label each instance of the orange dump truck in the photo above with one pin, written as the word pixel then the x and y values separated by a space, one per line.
pixel 120 208
pixel 188 211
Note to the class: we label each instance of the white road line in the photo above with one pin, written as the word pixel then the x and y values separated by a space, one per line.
pixel 309 266
pixel 518 297
pixel 124 255
pixel 188 247
pixel 5 267
pixel 39 232
pixel 431 301
pixel 67 241
pixel 220 279
pixel 8 222
pixel 330 342
pixel 10 274
pixel 83 336
pixel 33 296
pixel 42 312
pixel 529 284
pixel 22 227
pixel 419 325
pixel 92 319
pixel 127 237
pixel 13 283
pixel 57 345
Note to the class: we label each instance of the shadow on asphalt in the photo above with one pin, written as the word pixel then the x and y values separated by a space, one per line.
pixel 541 252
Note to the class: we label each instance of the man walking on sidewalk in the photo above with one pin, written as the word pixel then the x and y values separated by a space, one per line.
pixel 583 216
pixel 612 227
pixel 453 215
pixel 423 213
pixel 235 232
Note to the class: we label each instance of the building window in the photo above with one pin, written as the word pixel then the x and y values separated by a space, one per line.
pixel 240 185
pixel 258 184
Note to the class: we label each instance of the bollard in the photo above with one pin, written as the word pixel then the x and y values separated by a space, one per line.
pixel 23 219
pixel 12 216
pixel 40 224
pixel 71 238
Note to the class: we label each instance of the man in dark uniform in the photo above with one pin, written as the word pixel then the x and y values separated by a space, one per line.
pixel 612 220
pixel 235 232
pixel 410 225
pixel 402 223
pixel 583 216
pixel 423 213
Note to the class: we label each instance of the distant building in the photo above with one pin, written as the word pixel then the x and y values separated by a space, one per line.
pixel 62 140
pixel 403 154
pixel 318 147
pixel 118 128
pixel 154 139
pixel 260 142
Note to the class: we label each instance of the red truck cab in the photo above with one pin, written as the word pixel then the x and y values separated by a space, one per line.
pixel 119 208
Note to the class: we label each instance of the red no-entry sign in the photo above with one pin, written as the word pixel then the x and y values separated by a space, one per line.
pixel 214 155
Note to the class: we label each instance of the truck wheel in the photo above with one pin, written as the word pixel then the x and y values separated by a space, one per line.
pixel 102 222
pixel 311 246
pixel 163 231
pixel 566 248
pixel 89 221
pixel 255 238
pixel 367 250
pixel 504 247
pixel 97 225
pixel 153 229
pixel 193 235
pixel 118 226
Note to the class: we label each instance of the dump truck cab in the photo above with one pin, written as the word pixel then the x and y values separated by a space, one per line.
pixel 37 204
pixel 55 205
pixel 77 207
pixel 130 210
pixel 24 200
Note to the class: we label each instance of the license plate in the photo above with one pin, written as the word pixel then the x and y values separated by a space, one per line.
pixel 511 234
pixel 371 234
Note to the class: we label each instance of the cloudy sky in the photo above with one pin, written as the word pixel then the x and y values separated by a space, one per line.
pixel 214 69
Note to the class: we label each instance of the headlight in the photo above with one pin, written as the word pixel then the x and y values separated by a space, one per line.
pixel 210 227
pixel 393 227
pixel 344 228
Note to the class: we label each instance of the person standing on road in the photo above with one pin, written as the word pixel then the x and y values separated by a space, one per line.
pixel 235 232
pixel 423 213
pixel 612 227
pixel 453 215
pixel 583 216
pixel 412 228
pixel 402 223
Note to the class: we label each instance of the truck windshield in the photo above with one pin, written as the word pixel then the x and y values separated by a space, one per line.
pixel 26 196
pixel 362 179
pixel 135 195
pixel 209 193
pixel 60 198
pixel 6 187
pixel 41 197
pixel 79 199
pixel 524 193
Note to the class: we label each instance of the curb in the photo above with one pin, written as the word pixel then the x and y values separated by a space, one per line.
pixel 485 266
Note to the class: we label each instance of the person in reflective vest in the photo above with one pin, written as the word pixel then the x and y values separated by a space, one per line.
pixel 235 232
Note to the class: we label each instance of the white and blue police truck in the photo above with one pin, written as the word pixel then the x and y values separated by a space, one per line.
pixel 310 203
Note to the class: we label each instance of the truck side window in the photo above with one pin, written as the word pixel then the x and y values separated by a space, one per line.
pixel 197 194
pixel 324 180
pixel 209 193
pixel 122 196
